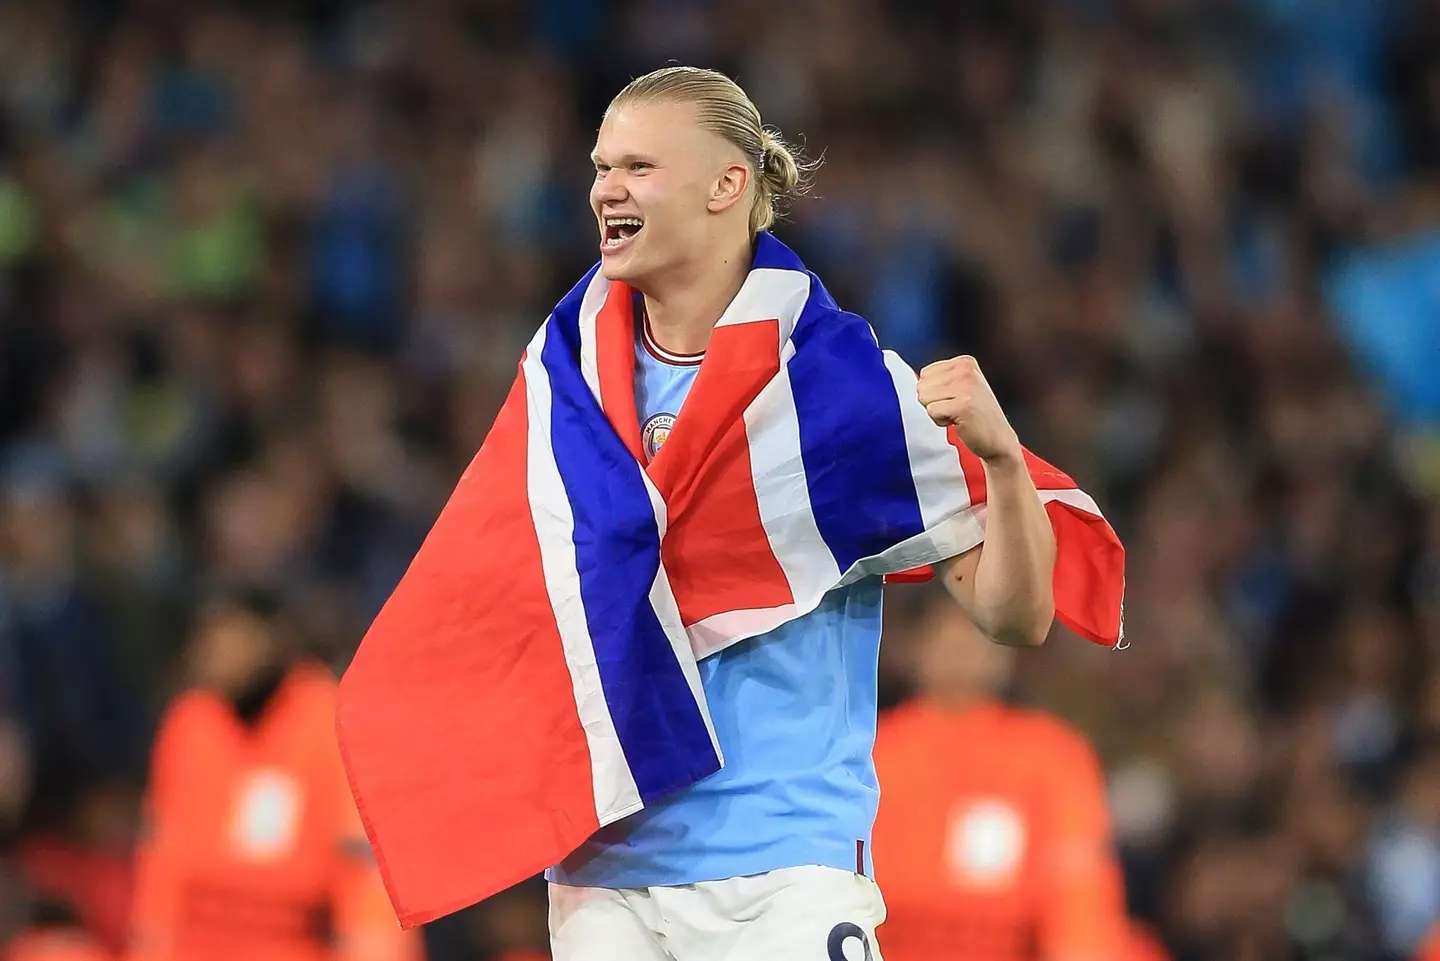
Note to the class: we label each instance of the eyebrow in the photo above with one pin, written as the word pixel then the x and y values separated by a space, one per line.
pixel 628 158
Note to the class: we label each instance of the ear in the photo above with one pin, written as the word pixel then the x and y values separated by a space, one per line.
pixel 728 187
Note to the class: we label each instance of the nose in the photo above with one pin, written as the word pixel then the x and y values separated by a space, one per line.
pixel 609 188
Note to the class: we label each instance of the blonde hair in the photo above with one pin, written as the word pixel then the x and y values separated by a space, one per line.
pixel 726 110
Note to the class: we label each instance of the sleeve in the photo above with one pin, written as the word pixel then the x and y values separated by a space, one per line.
pixel 1082 901
pixel 159 869
pixel 366 926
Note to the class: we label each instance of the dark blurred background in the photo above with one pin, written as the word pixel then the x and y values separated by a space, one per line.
pixel 266 270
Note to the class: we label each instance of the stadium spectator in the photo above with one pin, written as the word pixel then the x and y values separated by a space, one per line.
pixel 253 846
pixel 993 842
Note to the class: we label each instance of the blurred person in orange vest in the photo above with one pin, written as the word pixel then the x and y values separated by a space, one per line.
pixel 253 848
pixel 993 840
pixel 53 934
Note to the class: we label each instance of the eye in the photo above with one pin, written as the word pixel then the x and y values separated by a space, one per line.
pixel 640 165
pixel 600 170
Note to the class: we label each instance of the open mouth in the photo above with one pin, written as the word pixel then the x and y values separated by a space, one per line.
pixel 619 230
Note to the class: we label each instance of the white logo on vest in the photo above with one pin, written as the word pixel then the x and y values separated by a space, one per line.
pixel 267 816
pixel 986 844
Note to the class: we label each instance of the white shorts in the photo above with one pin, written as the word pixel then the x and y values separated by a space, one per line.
pixel 794 914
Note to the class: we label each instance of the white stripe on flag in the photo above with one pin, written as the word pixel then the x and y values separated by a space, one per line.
pixel 934 461
pixel 667 612
pixel 940 488
pixel 782 492
pixel 590 306
pixel 719 631
pixel 953 536
pixel 615 792
pixel 783 498
pixel 769 294
pixel 1075 498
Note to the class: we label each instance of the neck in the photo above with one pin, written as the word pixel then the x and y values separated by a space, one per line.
pixel 256 694
pixel 684 311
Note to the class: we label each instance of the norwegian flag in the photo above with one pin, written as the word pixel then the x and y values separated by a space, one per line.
pixel 533 676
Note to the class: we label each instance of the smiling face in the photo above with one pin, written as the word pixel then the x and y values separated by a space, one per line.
pixel 665 188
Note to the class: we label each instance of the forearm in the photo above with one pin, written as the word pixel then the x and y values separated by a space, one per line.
pixel 1011 591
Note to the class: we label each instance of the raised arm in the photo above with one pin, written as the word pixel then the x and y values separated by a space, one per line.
pixel 1006 585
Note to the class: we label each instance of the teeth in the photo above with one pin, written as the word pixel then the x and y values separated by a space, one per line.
pixel 615 224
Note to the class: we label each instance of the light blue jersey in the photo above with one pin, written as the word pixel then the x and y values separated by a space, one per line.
pixel 794 710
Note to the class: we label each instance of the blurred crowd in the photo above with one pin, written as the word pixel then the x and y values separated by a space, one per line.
pixel 266 270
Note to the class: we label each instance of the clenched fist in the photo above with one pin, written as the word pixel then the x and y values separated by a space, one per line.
pixel 955 394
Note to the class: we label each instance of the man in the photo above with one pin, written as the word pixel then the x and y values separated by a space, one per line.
pixel 992 841
pixel 253 847
pixel 695 559
pixel 685 176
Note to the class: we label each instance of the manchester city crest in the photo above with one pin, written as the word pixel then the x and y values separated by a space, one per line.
pixel 655 433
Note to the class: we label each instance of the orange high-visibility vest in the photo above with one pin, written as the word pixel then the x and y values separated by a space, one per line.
pixel 254 848
pixel 993 841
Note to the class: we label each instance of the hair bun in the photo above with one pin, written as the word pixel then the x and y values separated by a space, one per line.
pixel 779 170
